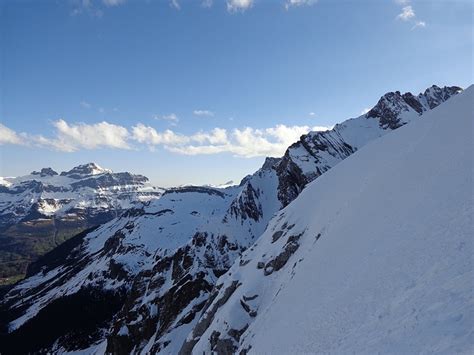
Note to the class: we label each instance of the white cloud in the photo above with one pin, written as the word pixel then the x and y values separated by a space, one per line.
pixel 72 137
pixel 247 142
pixel 206 3
pixel 312 114
pixel 419 24
pixel 9 136
pixel 53 143
pixel 406 14
pixel 85 6
pixel 290 3
pixel 150 136
pixel 239 5
pixel 113 2
pixel 175 4
pixel 172 118
pixel 216 136
pixel 85 104
pixel 205 113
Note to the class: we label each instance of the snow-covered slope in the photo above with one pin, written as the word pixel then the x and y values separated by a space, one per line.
pixel 147 276
pixel 375 256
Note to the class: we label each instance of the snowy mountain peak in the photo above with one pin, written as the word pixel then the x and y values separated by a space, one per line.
pixel 317 152
pixel 435 95
pixel 394 109
pixel 84 170
pixel 270 163
pixel 45 172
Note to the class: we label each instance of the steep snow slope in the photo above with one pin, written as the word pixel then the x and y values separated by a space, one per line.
pixel 375 256
pixel 161 262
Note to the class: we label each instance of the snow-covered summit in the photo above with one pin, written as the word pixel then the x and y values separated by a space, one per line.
pixel 85 170
pixel 395 109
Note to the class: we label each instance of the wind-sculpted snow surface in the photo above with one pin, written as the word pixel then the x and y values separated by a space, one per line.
pixel 375 256
pixel 160 263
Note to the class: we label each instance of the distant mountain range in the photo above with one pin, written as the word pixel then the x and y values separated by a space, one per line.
pixel 162 276
pixel 41 210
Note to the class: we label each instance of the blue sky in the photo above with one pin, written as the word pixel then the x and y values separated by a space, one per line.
pixel 200 91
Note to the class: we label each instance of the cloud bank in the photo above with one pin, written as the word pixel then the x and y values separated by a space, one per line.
pixel 292 3
pixel 239 5
pixel 96 7
pixel 406 14
pixel 8 136
pixel 205 113
pixel 244 142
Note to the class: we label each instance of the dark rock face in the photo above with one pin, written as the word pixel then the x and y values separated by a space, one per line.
pixel 81 171
pixel 208 316
pixel 281 259
pixel 270 163
pixel 277 235
pixel 164 311
pixel 110 179
pixel 222 346
pixel 45 172
pixel 413 102
pixel 393 104
pixel 291 179
pixel 311 147
pixel 198 189
pixel 436 95
pixel 388 110
pixel 32 186
pixel 169 305
pixel 247 205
